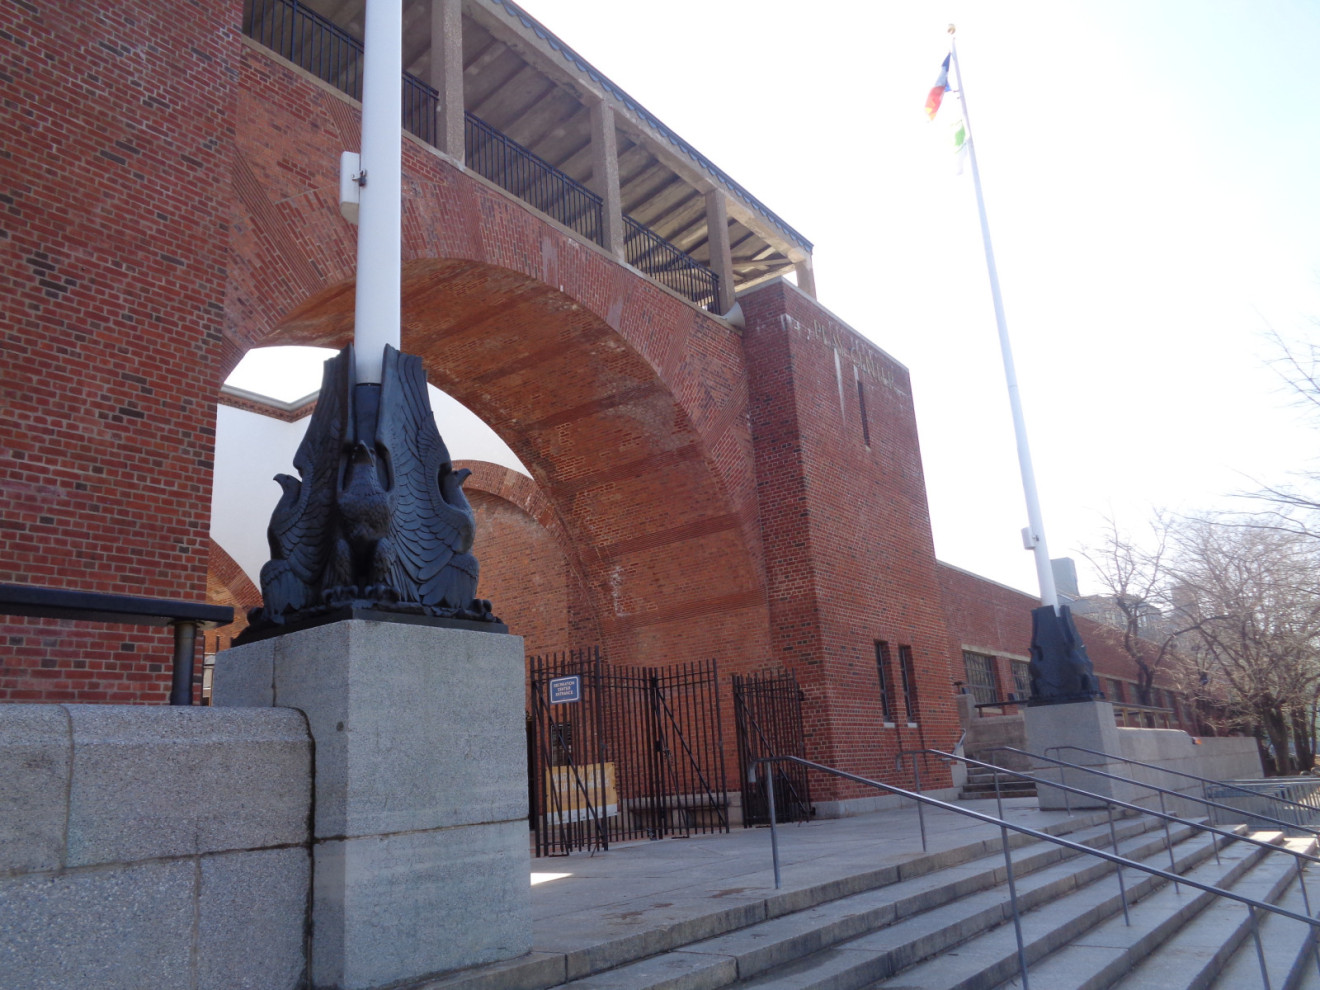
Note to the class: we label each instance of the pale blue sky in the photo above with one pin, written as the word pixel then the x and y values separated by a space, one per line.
pixel 1149 177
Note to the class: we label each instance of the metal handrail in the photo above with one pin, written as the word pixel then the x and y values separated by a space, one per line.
pixel 1128 806
pixel 1205 801
pixel 669 264
pixel 1120 862
pixel 1110 802
pixel 516 169
pixel 92 606
pixel 1180 773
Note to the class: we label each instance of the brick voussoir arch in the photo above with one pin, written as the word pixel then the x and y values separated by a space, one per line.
pixel 540 593
pixel 626 404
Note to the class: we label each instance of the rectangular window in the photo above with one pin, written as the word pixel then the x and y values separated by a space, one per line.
pixel 882 670
pixel 1021 680
pixel 861 403
pixel 909 675
pixel 1116 690
pixel 981 677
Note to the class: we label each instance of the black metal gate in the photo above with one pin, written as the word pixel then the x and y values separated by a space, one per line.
pixel 622 753
pixel 767 709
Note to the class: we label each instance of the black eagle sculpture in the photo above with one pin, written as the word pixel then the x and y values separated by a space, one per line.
pixel 377 518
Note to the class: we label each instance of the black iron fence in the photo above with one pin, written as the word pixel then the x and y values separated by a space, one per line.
pixel 314 43
pixel 421 105
pixel 647 251
pixel 619 753
pixel 504 161
pixel 308 40
pixel 767 710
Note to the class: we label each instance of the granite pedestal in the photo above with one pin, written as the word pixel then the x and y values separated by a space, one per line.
pixel 420 846
pixel 1089 724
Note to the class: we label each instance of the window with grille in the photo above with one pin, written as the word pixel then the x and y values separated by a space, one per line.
pixel 981 677
pixel 1116 690
pixel 909 675
pixel 561 744
pixel 886 688
pixel 1021 679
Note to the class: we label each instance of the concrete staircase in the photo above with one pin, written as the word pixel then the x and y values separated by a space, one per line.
pixel 943 921
pixel 981 784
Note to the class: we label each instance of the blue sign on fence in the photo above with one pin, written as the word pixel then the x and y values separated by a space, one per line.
pixel 565 689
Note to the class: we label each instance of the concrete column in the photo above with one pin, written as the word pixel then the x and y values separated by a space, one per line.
pixel 446 75
pixel 806 276
pixel 605 176
pixel 419 826
pixel 1091 725
pixel 721 253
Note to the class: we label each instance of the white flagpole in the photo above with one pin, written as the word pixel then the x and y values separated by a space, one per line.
pixel 379 259
pixel 1035 533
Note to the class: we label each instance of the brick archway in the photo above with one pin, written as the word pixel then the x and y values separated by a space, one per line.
pixel 529 567
pixel 627 404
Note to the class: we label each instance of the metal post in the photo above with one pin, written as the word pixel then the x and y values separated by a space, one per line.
pixel 1260 951
pixel 999 801
pixel 1013 905
pixel 185 646
pixel 1118 867
pixel 1306 905
pixel 774 827
pixel 380 241
pixel 1168 844
pixel 921 815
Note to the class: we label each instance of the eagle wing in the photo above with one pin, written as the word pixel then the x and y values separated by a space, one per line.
pixel 430 536
pixel 300 527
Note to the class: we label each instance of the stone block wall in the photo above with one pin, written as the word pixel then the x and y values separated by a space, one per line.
pixel 153 847
pixel 1227 758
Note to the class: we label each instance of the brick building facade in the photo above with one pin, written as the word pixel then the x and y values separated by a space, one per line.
pixel 748 489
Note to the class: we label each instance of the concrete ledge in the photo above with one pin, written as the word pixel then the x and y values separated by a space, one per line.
pixel 153 782
pixel 187 859
pixel 121 929
pixel 36 755
pixel 418 903
pixel 880 802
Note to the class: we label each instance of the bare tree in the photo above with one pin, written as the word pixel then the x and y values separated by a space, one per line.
pixel 1135 603
pixel 1251 597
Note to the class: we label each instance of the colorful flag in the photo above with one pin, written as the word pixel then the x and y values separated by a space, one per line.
pixel 938 90
pixel 959 144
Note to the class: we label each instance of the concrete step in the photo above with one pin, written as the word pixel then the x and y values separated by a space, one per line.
pixel 1177 934
pixel 801 950
pixel 543 969
pixel 1284 943
pixel 987 956
pixel 984 791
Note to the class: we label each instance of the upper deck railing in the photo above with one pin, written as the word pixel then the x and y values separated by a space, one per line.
pixel 314 43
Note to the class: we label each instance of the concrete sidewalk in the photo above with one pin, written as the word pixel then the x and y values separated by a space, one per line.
pixel 592 912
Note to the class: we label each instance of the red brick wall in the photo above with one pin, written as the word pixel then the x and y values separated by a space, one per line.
pixel 847 533
pixel 993 619
pixel 114 188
